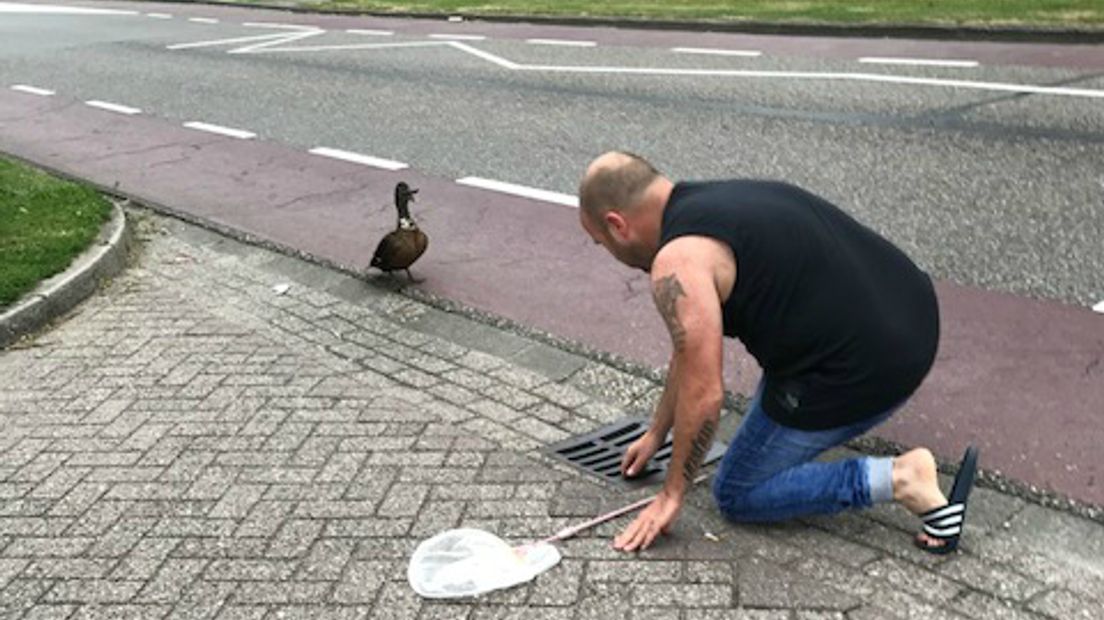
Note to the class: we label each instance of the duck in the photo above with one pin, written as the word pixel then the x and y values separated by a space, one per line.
pixel 401 247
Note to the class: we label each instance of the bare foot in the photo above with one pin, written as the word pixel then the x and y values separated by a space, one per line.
pixel 916 487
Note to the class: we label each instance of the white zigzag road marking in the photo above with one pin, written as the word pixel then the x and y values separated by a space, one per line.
pixel 357 46
pixel 282 39
pixel 272 42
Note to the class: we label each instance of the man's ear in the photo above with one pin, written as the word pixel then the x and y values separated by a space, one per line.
pixel 617 224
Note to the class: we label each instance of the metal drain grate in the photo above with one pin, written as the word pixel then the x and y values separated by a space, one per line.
pixel 600 452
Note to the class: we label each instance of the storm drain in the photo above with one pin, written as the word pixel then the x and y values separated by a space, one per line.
pixel 599 453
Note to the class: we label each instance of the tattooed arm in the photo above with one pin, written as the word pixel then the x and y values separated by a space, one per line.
pixel 688 276
pixel 688 301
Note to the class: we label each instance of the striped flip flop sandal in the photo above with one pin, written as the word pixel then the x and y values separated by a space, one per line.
pixel 945 523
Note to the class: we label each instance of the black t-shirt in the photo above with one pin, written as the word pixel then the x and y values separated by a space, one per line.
pixel 843 324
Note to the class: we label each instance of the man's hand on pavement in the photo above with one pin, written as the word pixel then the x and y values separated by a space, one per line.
pixel 656 519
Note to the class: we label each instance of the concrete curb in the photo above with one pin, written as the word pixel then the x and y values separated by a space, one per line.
pixel 57 295
pixel 1038 34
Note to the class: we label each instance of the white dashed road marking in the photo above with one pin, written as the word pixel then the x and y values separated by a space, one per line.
pixel 275 25
pixel 19 7
pixel 520 190
pixel 159 15
pixel 371 33
pixel 222 131
pixel 357 158
pixel 459 37
pixel 563 42
pixel 919 62
pixel 716 52
pixel 203 20
pixel 32 90
pixel 113 107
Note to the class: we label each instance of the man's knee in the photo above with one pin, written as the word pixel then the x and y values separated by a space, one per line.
pixel 731 501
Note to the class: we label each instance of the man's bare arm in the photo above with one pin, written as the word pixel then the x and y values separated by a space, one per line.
pixel 686 297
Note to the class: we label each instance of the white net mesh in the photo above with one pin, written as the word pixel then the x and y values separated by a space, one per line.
pixel 468 562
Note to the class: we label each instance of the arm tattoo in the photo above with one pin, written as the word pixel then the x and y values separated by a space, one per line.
pixel 667 292
pixel 701 446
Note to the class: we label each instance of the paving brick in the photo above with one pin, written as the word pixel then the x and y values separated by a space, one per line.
pixel 21 594
pixel 627 571
pixel 294 538
pixel 10 568
pixel 541 431
pixel 737 614
pixel 326 560
pixel 237 501
pixel 140 557
pixel 682 595
pixel 50 612
pixel 762 584
pixel 1063 604
pixel 67 568
pixel 322 612
pixel 220 548
pixel 121 612
pixel 59 483
pixel 173 578
pixel 403 501
pixel 250 570
pixel 202 600
pixel 913 580
pixel 120 537
pixel 519 377
pixel 264 519
pixel 513 397
pixel 362 581
pixel 193 526
pixel 359 528
pixel 53 547
pixel 980 605
pixel 93 591
pixel 268 593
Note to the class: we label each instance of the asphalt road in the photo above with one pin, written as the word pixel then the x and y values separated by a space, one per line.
pixel 990 176
pixel 986 188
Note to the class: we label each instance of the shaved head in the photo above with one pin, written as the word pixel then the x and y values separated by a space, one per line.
pixel 615 181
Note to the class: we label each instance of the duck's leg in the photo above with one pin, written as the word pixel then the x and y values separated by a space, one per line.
pixel 413 280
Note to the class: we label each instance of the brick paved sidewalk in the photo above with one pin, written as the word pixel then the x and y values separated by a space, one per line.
pixel 191 444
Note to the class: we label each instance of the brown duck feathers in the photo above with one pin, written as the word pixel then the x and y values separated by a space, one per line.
pixel 404 245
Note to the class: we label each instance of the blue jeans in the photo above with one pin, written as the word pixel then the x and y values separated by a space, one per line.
pixel 768 472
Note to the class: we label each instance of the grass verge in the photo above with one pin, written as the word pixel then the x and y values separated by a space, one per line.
pixel 45 222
